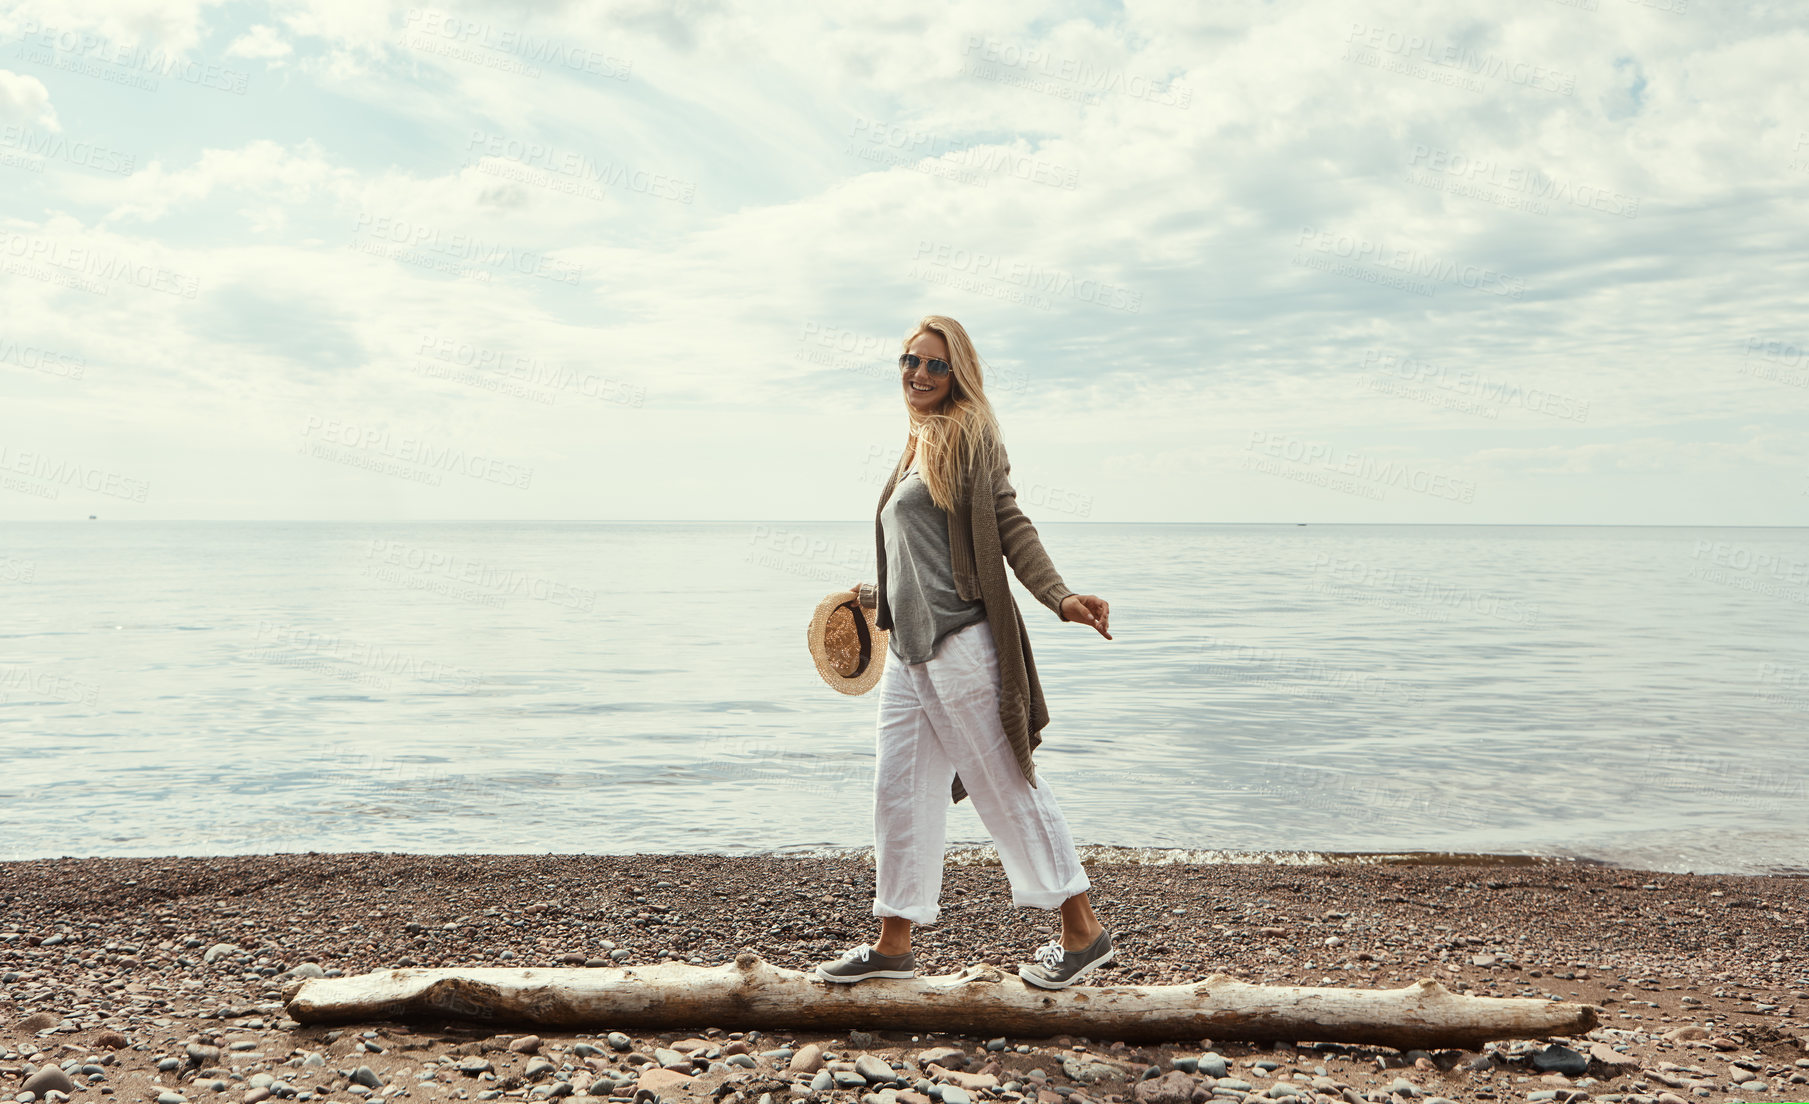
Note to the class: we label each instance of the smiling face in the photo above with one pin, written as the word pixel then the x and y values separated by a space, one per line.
pixel 923 391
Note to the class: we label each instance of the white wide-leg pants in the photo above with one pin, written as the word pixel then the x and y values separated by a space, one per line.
pixel 937 718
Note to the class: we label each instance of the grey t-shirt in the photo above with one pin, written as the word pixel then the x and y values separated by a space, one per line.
pixel 920 577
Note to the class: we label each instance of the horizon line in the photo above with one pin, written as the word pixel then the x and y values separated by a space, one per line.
pixel 848 521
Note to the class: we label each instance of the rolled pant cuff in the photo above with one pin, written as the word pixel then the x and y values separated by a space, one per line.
pixel 1052 899
pixel 919 915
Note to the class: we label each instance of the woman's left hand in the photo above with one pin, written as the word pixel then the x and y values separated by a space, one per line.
pixel 1087 609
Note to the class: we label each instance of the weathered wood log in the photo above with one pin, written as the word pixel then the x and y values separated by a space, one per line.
pixel 752 993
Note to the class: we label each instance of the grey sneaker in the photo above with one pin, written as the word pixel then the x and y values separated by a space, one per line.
pixel 864 962
pixel 1056 968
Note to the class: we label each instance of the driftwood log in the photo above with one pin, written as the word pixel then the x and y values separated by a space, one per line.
pixel 752 993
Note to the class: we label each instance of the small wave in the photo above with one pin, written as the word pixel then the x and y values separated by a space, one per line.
pixel 1113 854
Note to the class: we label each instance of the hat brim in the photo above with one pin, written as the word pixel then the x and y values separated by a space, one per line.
pixel 868 676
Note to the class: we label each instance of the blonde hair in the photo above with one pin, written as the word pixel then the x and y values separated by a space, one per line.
pixel 964 434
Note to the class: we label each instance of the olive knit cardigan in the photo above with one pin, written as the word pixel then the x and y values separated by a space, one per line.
pixel 981 528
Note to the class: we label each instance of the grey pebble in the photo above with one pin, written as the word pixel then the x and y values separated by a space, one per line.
pixel 872 1069
pixel 619 1041
pixel 1212 1065
pixel 1560 1059
pixel 48 1079
pixel 955 1094
pixel 171 1098
pixel 165 1065
pixel 585 1050
pixel 366 1076
pixel 823 1081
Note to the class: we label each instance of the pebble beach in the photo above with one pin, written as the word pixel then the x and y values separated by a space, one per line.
pixel 164 980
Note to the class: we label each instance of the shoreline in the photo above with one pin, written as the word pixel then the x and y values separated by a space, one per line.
pixel 133 961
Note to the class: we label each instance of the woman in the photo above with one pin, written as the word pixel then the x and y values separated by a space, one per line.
pixel 960 705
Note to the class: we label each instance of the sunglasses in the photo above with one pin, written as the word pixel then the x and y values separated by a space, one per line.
pixel 909 362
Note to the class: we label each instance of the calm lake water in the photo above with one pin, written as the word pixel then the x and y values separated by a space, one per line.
pixel 1634 695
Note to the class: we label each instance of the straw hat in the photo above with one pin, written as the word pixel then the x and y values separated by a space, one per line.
pixel 849 649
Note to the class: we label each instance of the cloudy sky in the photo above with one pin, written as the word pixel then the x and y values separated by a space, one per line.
pixel 1540 262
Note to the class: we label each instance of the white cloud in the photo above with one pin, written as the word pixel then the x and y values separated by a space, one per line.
pixel 260 42
pixel 850 171
pixel 24 99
